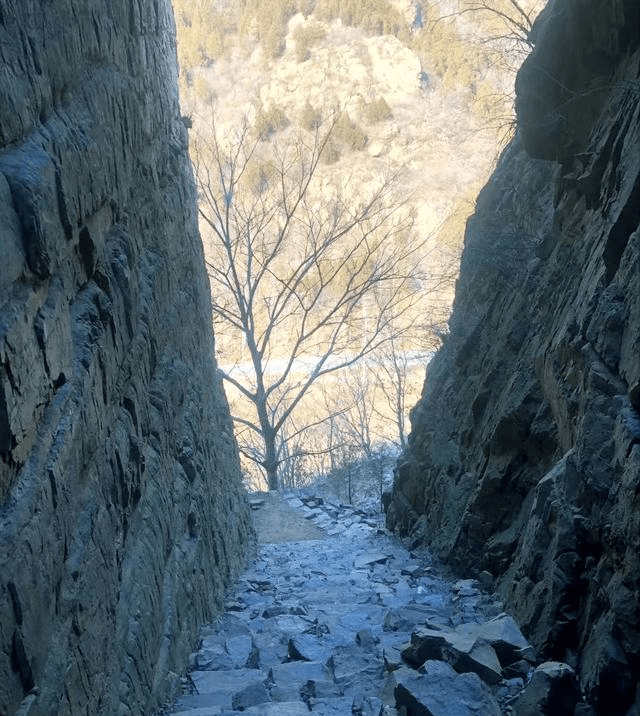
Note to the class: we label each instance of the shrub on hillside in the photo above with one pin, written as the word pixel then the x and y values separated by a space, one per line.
pixel 310 117
pixel 375 17
pixel 349 133
pixel 269 121
pixel 377 111
pixel 267 21
pixel 201 32
pixel 331 153
pixel 305 37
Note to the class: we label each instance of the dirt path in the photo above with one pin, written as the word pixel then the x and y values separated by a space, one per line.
pixel 275 521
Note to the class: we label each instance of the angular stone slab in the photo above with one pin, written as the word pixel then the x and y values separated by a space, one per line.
pixel 253 695
pixel 283 708
pixel 270 650
pixel 503 634
pixel 351 663
pixel 553 689
pixel 466 587
pixel 368 706
pixel 294 502
pixel 392 645
pixel 298 673
pixel 340 706
pixel 367 560
pixel 292 623
pixel 426 644
pixel 309 647
pixel 409 616
pixel 239 648
pixel 323 521
pixel 466 653
pixel 213 657
pixel 338 529
pixel 230 682
pixel 324 690
pixel 441 691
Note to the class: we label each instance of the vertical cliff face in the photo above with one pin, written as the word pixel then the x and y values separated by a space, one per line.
pixel 524 456
pixel 122 515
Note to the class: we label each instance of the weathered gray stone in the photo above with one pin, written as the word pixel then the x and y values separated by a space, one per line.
pixel 310 647
pixel 408 616
pixel 502 633
pixel 353 664
pixel 524 454
pixel 367 706
pixel 294 708
pixel 228 682
pixel 425 645
pixel 392 645
pixel 470 654
pixel 368 560
pixel 297 673
pixel 441 691
pixel 553 689
pixel 338 706
pixel 252 695
pixel 123 513
pixel 465 651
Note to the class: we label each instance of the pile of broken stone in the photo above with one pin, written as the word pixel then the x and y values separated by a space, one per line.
pixel 356 624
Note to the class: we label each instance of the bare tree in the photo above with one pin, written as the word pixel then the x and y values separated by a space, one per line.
pixel 399 374
pixel 309 276
pixel 394 368
pixel 515 16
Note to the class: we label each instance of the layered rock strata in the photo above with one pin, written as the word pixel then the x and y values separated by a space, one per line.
pixel 122 515
pixel 524 457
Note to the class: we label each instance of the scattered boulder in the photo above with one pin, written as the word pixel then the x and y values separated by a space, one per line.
pixel 470 654
pixel 552 691
pixel 504 635
pixel 483 648
pixel 426 645
pixel 440 691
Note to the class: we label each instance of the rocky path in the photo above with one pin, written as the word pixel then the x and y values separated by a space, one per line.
pixel 345 621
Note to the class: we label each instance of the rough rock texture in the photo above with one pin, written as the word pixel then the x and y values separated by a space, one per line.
pixel 524 458
pixel 121 509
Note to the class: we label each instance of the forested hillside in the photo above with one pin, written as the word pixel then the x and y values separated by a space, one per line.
pixel 415 97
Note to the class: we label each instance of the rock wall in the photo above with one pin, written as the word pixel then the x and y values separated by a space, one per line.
pixel 524 457
pixel 122 515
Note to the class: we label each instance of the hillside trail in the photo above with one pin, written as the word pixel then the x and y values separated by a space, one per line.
pixel 336 617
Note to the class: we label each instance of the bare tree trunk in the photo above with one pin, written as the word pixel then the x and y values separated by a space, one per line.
pixel 271 462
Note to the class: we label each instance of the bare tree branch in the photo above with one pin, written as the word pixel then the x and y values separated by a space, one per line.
pixel 308 279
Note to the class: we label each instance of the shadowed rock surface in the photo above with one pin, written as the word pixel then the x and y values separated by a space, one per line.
pixel 122 516
pixel 524 457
